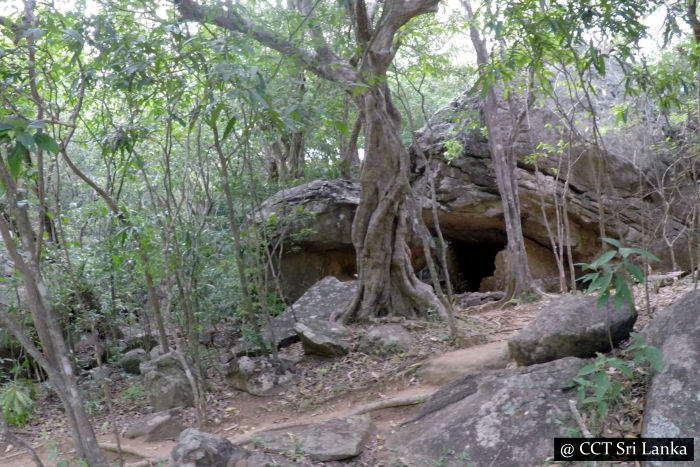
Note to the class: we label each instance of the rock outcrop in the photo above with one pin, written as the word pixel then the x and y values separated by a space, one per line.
pixel 499 417
pixel 571 326
pixel 673 401
pixel 452 365
pixel 583 179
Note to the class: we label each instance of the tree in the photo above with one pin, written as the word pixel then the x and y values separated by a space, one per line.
pixel 388 284
pixel 21 236
pixel 504 157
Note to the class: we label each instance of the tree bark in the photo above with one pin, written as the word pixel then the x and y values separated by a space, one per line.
pixel 519 281
pixel 55 358
pixel 388 285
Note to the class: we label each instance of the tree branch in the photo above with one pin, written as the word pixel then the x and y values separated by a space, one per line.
pixel 322 63
pixel 394 15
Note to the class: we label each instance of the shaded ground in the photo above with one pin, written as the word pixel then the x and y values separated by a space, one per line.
pixel 325 389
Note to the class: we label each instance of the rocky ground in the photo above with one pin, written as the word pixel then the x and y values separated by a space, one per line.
pixel 325 388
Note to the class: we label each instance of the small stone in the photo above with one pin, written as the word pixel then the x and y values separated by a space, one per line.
pixel 156 427
pixel 386 340
pixel 324 338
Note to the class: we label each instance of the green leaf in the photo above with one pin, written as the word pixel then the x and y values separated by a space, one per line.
pixel 588 369
pixel 342 128
pixel 635 271
pixel 604 258
pixel 15 160
pixel 215 114
pixel 603 299
pixel 229 127
pixel 26 140
pixel 612 242
pixel 653 355
pixel 36 125
pixel 602 384
pixel 602 409
pixel 620 366
pixel 615 390
pixel 46 142
pixel 639 251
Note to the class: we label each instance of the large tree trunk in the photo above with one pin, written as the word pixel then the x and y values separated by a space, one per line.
pixel 519 280
pixel 388 285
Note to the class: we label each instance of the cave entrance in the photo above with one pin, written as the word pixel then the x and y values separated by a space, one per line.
pixel 471 261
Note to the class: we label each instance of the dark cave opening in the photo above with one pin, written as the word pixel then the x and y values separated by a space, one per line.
pixel 471 261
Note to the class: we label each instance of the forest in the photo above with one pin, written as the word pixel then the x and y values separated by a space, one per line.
pixel 232 219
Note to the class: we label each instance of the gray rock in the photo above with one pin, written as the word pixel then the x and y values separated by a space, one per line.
pixel 451 365
pixel 155 352
pixel 324 338
pixel 260 376
pixel 131 360
pixel 468 299
pixel 506 418
pixel 385 340
pixel 673 401
pixel 137 339
pixel 166 383
pixel 335 439
pixel 313 223
pixel 469 205
pixel 316 305
pixel 198 449
pixel 158 426
pixel 571 326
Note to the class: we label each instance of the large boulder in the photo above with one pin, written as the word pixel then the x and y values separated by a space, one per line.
pixel 157 426
pixel 333 440
pixel 260 376
pixel 324 338
pixel 386 340
pixel 571 325
pixel 312 223
pixel 469 206
pixel 673 401
pixel 195 448
pixel 165 382
pixel 316 305
pixel 132 360
pixel 498 417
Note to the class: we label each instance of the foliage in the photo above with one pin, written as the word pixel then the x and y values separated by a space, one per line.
pixel 453 150
pixel 132 393
pixel 16 402
pixel 614 271
pixel 600 384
